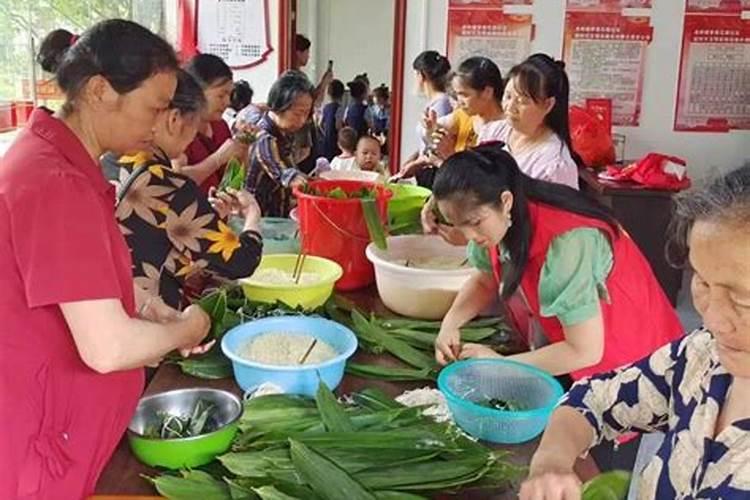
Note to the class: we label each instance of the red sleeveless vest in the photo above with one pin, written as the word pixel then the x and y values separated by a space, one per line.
pixel 638 319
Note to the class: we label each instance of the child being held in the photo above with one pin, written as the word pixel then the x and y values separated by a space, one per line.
pixel 347 142
pixel 368 155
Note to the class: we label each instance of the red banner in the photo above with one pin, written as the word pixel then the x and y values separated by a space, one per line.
pixel 606 5
pixel 605 55
pixel 506 39
pixel 485 4
pixel 717 6
pixel 713 93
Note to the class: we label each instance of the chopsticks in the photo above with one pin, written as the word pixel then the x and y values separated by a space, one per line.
pixel 299 265
pixel 307 353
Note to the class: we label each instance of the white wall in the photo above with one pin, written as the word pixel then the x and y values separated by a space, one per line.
pixel 705 152
pixel 356 34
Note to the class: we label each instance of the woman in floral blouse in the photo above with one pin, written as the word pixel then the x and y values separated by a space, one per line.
pixel 172 229
pixel 695 390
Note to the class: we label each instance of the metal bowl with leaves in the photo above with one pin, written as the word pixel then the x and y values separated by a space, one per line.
pixel 184 428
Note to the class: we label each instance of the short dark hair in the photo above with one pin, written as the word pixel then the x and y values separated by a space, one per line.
pixel 208 70
pixel 347 138
pixel 336 89
pixel 357 89
pixel 301 43
pixel 188 96
pixel 290 85
pixel 123 52
pixel 382 92
pixel 435 67
pixel 242 95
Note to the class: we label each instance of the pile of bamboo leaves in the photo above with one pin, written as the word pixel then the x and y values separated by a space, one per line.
pixel 375 448
pixel 410 341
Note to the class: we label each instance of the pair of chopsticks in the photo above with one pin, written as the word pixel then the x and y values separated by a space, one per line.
pixel 299 265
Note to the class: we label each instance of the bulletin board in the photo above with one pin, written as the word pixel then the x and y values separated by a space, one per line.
pixel 238 31
pixel 605 57
pixel 713 92
pixel 607 5
pixel 504 38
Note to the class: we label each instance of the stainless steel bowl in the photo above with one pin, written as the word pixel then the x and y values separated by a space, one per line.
pixel 181 402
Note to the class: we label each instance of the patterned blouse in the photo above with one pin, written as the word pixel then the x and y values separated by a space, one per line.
pixel 174 233
pixel 271 169
pixel 680 391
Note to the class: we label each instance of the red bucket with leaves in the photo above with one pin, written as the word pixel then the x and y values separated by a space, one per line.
pixel 335 227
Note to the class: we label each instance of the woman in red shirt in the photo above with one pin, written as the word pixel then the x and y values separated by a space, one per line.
pixel 213 147
pixel 72 346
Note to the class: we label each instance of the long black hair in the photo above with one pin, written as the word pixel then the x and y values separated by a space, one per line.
pixel 540 77
pixel 479 73
pixel 124 53
pixel 434 67
pixel 481 175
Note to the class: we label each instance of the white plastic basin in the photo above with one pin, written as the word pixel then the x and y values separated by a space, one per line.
pixel 413 292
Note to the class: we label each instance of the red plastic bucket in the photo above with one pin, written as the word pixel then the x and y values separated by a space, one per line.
pixel 336 229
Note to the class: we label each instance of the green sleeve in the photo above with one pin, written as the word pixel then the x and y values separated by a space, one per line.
pixel 573 278
pixel 479 257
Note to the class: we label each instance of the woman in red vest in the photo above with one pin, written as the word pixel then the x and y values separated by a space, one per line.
pixel 583 279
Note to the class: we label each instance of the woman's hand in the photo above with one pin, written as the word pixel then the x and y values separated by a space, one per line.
pixel 431 225
pixel 447 344
pixel 469 351
pixel 429 121
pixel 549 480
pixel 197 325
pixel 410 168
pixel 229 149
pixel 443 144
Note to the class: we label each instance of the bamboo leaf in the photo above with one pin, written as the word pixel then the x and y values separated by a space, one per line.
pixel 373 222
pixel 373 333
pixel 331 412
pixel 193 485
pixel 326 478
pixel 210 366
pixel 389 373
pixel 612 485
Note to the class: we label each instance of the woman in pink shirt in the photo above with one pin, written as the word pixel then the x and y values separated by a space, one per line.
pixel 536 130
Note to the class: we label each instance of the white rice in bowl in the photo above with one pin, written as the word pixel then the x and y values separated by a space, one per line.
pixel 286 349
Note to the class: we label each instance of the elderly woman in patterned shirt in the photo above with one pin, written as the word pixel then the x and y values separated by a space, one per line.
pixel 695 390
pixel 272 172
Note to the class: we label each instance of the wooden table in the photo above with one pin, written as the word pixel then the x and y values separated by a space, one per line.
pixel 645 214
pixel 122 476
